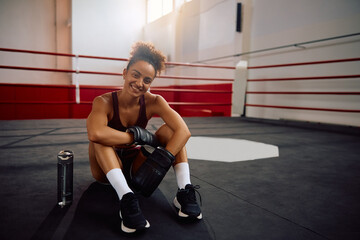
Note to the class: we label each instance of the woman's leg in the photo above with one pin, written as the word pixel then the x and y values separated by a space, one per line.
pixel 102 160
pixel 106 166
pixel 181 165
pixel 185 199
pixel 164 134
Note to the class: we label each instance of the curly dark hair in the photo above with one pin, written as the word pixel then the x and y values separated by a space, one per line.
pixel 146 51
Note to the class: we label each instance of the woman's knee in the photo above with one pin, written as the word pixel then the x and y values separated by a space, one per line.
pixel 96 170
pixel 100 161
pixel 164 134
pixel 99 175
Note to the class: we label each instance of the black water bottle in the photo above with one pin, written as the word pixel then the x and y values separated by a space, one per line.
pixel 65 177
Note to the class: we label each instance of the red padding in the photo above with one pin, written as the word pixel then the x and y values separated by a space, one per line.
pixel 39 101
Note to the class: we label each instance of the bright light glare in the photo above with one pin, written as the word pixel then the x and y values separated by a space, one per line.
pixel 178 3
pixel 167 7
pixel 154 9
pixel 158 8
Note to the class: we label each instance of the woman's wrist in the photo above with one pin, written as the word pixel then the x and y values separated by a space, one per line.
pixel 130 138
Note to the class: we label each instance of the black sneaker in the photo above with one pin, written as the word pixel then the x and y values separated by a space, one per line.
pixel 185 201
pixel 132 218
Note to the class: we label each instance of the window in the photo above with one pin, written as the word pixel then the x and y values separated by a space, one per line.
pixel 178 3
pixel 158 8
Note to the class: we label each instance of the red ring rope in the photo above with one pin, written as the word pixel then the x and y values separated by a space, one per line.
pixel 302 92
pixel 317 93
pixel 303 108
pixel 303 78
pixel 109 73
pixel 109 58
pixel 196 78
pixel 306 63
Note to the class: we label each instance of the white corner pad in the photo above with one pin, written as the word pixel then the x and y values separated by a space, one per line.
pixel 228 150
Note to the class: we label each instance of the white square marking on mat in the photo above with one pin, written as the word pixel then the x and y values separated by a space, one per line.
pixel 228 150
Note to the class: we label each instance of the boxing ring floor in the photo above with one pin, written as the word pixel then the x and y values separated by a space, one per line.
pixel 310 191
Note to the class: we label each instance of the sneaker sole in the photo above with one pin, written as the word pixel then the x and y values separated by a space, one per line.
pixel 184 215
pixel 132 230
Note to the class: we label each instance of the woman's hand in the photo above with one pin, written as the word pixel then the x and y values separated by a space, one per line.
pixel 143 136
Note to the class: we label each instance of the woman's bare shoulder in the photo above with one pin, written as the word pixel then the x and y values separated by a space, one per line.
pixel 104 98
pixel 152 99
pixel 155 104
pixel 103 102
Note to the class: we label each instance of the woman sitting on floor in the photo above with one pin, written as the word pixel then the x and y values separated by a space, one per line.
pixel 116 128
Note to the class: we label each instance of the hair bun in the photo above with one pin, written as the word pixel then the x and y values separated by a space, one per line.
pixel 146 51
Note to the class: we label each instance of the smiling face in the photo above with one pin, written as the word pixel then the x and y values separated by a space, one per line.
pixel 138 78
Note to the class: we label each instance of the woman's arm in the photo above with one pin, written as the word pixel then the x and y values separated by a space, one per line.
pixel 97 128
pixel 175 122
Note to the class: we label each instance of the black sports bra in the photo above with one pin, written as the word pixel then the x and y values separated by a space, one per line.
pixel 115 122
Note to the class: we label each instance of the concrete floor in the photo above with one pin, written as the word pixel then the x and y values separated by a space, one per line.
pixel 311 191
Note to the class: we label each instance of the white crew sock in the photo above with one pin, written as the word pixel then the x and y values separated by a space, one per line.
pixel 182 173
pixel 118 182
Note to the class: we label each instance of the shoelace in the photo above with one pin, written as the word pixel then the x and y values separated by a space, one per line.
pixel 192 198
pixel 195 188
pixel 132 205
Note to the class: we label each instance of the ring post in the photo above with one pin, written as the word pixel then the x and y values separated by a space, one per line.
pixel 77 89
pixel 239 89
pixel 77 86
